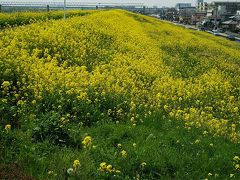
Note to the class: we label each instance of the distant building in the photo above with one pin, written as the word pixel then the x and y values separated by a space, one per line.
pixel 185 11
pixel 185 14
pixel 162 12
pixel 171 14
pixel 213 15
pixel 182 5
pixel 229 25
pixel 233 24
pixel 226 9
pixel 202 6
pixel 198 17
pixel 199 1
pixel 152 10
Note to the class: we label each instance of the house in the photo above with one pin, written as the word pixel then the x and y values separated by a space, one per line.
pixel 198 17
pixel 233 24
pixel 171 14
pixel 185 14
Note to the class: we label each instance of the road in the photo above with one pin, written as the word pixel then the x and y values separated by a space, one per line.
pixel 224 35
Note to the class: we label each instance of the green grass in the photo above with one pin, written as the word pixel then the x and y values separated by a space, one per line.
pixel 170 150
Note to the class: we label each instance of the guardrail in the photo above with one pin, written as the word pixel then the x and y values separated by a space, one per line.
pixel 139 7
pixel 68 4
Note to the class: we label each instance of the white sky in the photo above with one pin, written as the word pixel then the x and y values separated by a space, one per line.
pixel 158 3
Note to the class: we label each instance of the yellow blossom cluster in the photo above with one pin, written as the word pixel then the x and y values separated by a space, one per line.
pixel 8 127
pixel 103 167
pixel 123 153
pixel 236 162
pixel 87 141
pixel 76 164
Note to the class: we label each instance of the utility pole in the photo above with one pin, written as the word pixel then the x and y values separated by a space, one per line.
pixel 64 8
pixel 216 8
pixel 48 8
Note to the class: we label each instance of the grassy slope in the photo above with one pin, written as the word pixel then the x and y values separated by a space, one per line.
pixel 103 73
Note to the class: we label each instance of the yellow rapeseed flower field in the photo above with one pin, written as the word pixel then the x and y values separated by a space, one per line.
pixel 113 94
pixel 152 66
pixel 23 18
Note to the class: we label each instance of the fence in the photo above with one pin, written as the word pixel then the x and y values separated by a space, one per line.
pixel 70 5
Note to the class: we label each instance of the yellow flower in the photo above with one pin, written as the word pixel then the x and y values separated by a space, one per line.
pixel 171 114
pixel 6 84
pixel 134 145
pixel 119 146
pixel 34 102
pixel 237 166
pixel 76 164
pixel 165 107
pixel 231 98
pixel 103 166
pixel 109 168
pixel 50 173
pixel 231 175
pixel 8 127
pixel 236 158
pixel 87 141
pixel 235 109
pixel 209 174
pixel 132 119
pixel 124 153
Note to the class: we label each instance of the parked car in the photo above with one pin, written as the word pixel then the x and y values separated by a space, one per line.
pixel 218 30
pixel 231 37
pixel 202 29
pixel 215 31
pixel 216 34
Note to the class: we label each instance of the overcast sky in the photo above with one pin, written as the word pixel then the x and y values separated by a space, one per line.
pixel 148 2
pixel 159 3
